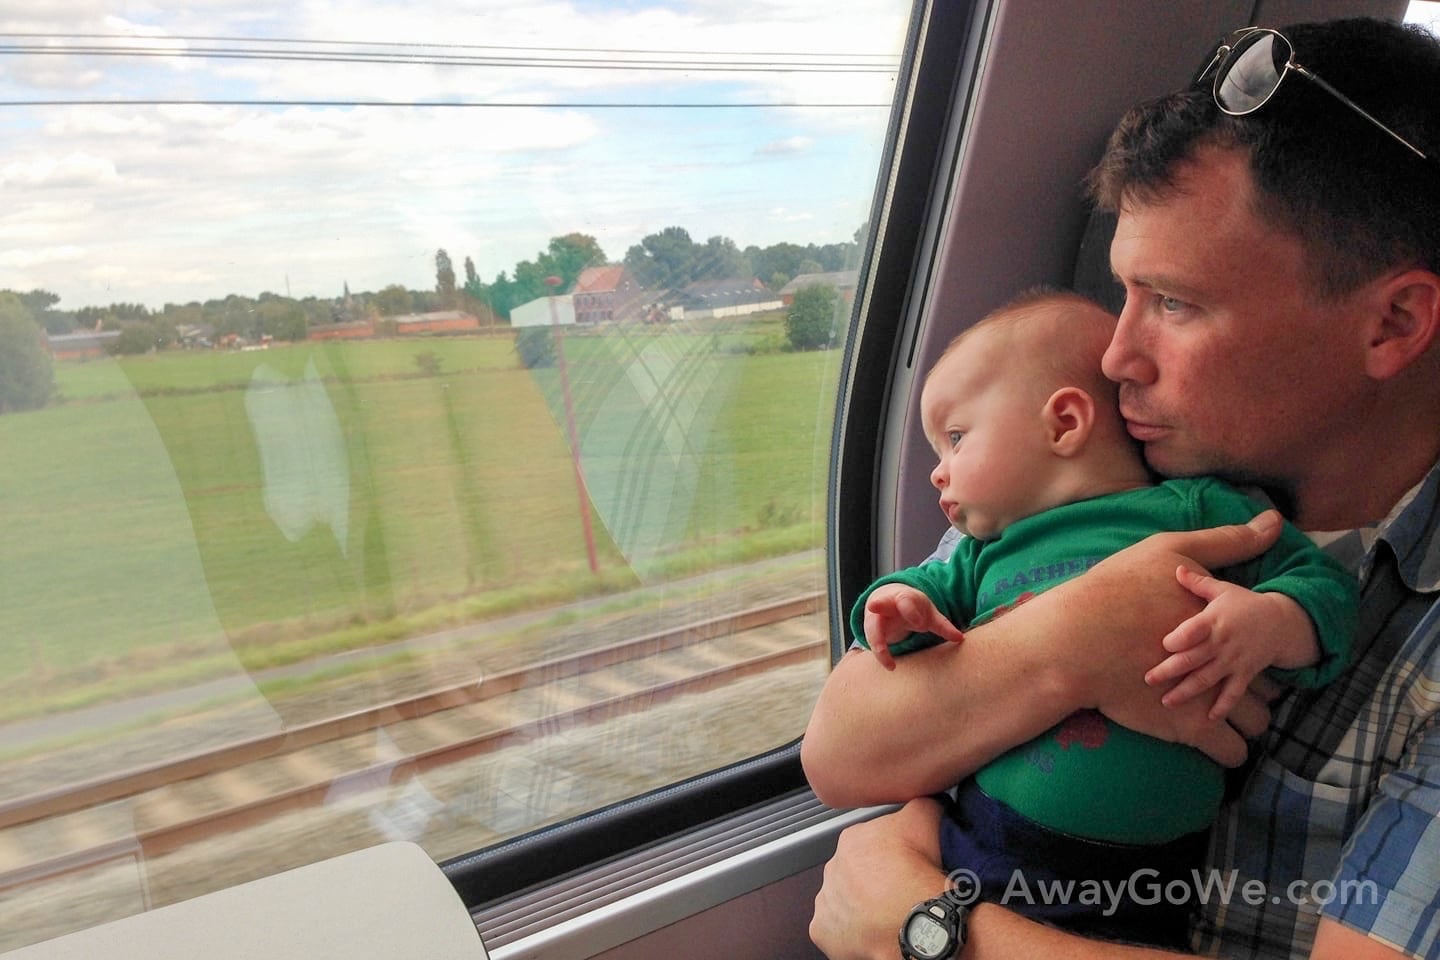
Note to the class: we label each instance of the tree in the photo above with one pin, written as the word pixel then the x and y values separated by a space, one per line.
pixel 41 305
pixel 134 339
pixel 444 279
pixel 283 320
pixel 38 301
pixel 471 277
pixel 27 376
pixel 837 256
pixel 500 295
pixel 811 321
pixel 530 282
pixel 113 317
pixel 664 260
pixel 776 261
pixel 720 259
pixel 536 346
pixel 393 301
pixel 568 256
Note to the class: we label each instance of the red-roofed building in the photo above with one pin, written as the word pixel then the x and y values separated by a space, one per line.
pixel 85 345
pixel 344 330
pixel 438 321
pixel 607 294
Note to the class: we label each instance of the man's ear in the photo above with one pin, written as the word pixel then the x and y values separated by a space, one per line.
pixel 1069 416
pixel 1406 322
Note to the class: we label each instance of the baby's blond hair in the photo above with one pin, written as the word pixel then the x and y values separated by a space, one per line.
pixel 1055 337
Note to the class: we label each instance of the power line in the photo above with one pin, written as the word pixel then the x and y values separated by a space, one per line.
pixel 652 60
pixel 436 46
pixel 703 66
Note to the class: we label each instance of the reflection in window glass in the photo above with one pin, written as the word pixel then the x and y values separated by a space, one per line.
pixel 414 427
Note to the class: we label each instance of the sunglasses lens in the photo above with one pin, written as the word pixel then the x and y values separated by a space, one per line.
pixel 1251 72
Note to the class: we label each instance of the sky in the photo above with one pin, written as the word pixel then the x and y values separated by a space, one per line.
pixel 333 167
pixel 1426 12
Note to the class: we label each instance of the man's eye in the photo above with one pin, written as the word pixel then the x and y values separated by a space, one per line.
pixel 1171 305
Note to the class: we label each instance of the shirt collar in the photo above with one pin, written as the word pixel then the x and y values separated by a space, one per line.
pixel 1412 529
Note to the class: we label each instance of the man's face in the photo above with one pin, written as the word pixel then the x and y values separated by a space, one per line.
pixel 1226 363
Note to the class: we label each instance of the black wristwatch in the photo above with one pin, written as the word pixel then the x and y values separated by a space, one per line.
pixel 935 930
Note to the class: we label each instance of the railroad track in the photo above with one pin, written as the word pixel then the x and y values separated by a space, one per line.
pixel 150 811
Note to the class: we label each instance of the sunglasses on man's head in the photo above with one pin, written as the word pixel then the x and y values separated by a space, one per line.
pixel 1250 66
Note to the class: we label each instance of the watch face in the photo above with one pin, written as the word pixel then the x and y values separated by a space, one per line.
pixel 926 936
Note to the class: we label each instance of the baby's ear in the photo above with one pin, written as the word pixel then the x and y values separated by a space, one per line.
pixel 1069 416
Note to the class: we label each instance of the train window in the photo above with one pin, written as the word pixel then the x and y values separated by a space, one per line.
pixel 1424 12
pixel 413 426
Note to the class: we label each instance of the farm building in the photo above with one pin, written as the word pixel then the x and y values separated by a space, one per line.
pixel 607 294
pixel 707 299
pixel 345 330
pixel 81 346
pixel 843 281
pixel 440 321
pixel 538 313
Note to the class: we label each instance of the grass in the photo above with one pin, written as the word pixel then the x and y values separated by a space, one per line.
pixel 212 369
pixel 190 514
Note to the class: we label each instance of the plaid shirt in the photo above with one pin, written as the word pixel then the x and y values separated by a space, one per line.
pixel 1340 814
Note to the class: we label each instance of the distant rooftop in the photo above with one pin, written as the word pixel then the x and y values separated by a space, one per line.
pixel 842 279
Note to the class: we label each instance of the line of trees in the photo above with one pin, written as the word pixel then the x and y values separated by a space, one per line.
pixel 283 318
pixel 663 261
pixel 564 258
pixel 670 259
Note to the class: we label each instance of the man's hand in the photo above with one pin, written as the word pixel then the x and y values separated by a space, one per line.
pixel 885 866
pixel 881 869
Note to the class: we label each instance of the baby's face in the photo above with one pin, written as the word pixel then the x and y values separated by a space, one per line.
pixel 989 438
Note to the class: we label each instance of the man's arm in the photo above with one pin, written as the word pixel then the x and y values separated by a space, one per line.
pixel 1335 941
pixel 999 934
pixel 882 737
pixel 881 869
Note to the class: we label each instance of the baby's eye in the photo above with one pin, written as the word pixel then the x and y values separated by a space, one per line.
pixel 955 436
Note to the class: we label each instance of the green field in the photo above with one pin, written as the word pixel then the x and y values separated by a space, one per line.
pixel 202 507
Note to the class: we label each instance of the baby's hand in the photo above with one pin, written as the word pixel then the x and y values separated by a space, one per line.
pixel 1237 635
pixel 895 611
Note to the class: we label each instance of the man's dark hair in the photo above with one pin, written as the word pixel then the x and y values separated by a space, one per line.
pixel 1360 202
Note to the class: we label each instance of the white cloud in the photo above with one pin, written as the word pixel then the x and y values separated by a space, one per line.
pixel 72 170
pixel 25 259
pixel 782 215
pixel 171 203
pixel 65 75
pixel 788 145
pixel 105 122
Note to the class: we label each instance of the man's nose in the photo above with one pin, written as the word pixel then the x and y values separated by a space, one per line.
pixel 1126 360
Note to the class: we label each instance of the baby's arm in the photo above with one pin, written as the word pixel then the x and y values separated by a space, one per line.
pixel 1238 634
pixel 894 611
